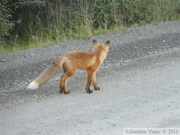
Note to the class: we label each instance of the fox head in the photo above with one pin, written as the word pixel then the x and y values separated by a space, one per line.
pixel 98 47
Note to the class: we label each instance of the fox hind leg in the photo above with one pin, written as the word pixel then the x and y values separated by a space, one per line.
pixel 63 84
pixel 69 70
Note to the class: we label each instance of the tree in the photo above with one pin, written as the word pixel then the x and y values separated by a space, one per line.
pixel 11 15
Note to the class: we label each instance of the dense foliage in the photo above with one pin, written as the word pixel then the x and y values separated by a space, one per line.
pixel 58 20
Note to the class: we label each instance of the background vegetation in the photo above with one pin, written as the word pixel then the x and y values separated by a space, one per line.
pixel 28 23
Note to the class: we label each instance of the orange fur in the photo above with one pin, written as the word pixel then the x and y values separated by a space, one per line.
pixel 70 62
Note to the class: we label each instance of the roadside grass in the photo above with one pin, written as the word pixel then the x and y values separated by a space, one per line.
pixel 44 42
pixel 91 20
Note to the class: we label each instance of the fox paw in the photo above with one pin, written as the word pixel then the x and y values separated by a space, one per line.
pixel 97 88
pixel 60 91
pixel 66 92
pixel 89 91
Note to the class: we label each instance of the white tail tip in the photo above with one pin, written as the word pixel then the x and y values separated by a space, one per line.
pixel 33 85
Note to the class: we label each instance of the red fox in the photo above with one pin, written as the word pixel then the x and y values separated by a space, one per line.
pixel 70 62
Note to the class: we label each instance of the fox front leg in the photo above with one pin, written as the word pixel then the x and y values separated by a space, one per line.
pixel 88 83
pixel 94 82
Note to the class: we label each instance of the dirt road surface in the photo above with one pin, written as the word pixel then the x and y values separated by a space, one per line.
pixel 139 80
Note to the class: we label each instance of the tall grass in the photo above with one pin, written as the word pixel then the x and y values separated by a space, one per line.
pixel 61 20
pixel 82 18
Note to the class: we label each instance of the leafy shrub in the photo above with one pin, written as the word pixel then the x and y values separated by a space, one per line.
pixel 59 20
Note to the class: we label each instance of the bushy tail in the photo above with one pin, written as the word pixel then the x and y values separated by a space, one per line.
pixel 48 73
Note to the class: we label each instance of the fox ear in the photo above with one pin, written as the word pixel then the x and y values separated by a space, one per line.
pixel 94 42
pixel 108 42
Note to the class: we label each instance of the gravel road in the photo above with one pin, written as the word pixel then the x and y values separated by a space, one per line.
pixel 140 82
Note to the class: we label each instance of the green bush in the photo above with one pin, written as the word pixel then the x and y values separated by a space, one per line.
pixel 5 21
pixel 39 21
